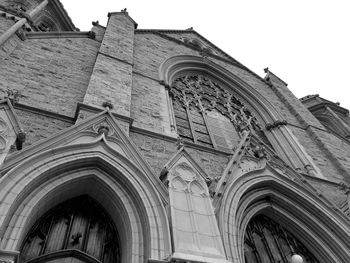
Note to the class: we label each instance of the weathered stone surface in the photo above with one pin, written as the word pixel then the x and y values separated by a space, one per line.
pixel 38 126
pixel 151 50
pixel 121 67
pixel 118 40
pixel 212 163
pixel 51 74
pixel 111 79
pixel 156 151
pixel 149 105
pixel 110 82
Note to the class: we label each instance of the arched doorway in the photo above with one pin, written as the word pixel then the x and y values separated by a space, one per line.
pixel 266 241
pixel 78 229
pixel 286 205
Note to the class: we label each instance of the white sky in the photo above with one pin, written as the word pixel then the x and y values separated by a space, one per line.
pixel 304 42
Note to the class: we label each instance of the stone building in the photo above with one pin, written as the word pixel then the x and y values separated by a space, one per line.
pixel 133 145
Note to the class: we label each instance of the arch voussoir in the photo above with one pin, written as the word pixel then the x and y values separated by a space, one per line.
pixel 287 202
pixel 120 187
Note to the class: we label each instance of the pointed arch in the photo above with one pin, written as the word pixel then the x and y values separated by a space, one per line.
pixel 282 139
pixel 324 233
pixel 125 192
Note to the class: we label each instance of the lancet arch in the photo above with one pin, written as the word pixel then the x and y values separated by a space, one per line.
pixel 39 184
pixel 323 233
pixel 282 139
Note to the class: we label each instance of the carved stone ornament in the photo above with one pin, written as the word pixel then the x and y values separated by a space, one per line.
pixel 103 128
pixel 13 95
pixel 185 178
pixel 275 124
pixel 344 187
pixel 200 93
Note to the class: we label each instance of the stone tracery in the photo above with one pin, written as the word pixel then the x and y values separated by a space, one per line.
pixel 195 97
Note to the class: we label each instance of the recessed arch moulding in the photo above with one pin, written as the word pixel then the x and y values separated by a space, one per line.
pixel 282 139
pixel 40 183
pixel 292 204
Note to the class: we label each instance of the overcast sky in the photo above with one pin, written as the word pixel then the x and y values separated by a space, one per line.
pixel 304 42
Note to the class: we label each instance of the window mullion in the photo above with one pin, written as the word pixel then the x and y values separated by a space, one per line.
pixel 191 124
pixel 209 129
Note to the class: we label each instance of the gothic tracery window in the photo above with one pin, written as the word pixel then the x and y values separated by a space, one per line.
pixel 210 115
pixel 79 224
pixel 266 241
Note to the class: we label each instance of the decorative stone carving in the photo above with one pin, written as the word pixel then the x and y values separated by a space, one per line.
pixel 13 95
pixel 179 142
pixel 12 136
pixel 21 137
pixel 193 218
pixel 103 128
pixel 275 124
pixel 192 214
pixel 344 187
pixel 195 92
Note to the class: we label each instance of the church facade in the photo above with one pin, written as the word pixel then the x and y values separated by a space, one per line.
pixel 133 145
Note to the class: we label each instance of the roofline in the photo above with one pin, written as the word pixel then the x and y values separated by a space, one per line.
pixel 229 59
pixel 323 103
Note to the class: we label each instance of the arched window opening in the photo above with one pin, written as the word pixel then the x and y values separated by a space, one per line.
pixel 77 224
pixel 266 241
pixel 210 115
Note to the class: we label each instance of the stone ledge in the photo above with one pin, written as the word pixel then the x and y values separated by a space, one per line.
pixel 59 34
pixel 96 110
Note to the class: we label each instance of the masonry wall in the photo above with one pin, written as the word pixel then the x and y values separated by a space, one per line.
pixel 148 102
pixel 54 74
pixel 158 152
pixel 38 126
pixel 51 74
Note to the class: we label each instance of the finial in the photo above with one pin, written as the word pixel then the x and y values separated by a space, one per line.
pixel 95 23
pixel 123 10
pixel 190 28
pixel 266 70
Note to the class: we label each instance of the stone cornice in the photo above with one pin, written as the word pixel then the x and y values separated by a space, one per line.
pixel 10 14
pixel 332 105
pixel 43 112
pixel 145 76
pixel 121 60
pixel 321 102
pixel 95 110
pixel 60 34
